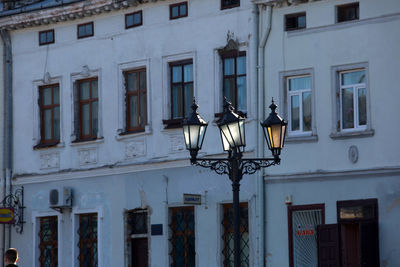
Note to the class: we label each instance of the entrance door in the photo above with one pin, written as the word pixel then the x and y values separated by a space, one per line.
pixel 139 252
pixel 328 245
pixel 350 244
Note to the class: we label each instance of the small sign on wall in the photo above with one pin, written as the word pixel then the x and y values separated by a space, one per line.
pixel 192 199
pixel 7 215
pixel 156 229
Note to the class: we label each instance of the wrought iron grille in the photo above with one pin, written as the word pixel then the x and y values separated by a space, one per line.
pixel 87 233
pixel 227 236
pixel 182 237
pixel 48 246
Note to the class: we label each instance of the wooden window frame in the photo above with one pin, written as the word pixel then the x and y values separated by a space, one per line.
pixel 47 42
pixel 296 16
pixel 177 122
pixel 341 8
pixel 229 6
pixel 53 242
pixel 139 93
pixel 235 55
pixel 86 35
pixel 133 14
pixel 89 101
pixel 87 241
pixel 184 232
pixel 42 107
pixel 290 210
pixel 179 13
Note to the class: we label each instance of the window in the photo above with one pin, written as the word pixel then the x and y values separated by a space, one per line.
pixel 182 237
pixel 228 239
pixel 136 100
pixel 179 10
pixel 137 237
pixel 225 4
pixel 302 225
pixel 48 243
pixel 181 87
pixel 88 108
pixel 353 100
pixel 299 102
pixel 85 30
pixel 295 21
pixel 87 244
pixel 46 37
pixel 347 12
pixel 133 19
pixel 234 79
pixel 49 103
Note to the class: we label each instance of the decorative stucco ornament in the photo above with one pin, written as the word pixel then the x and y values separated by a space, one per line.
pixel 232 44
pixel 46 78
pixel 353 154
pixel 85 71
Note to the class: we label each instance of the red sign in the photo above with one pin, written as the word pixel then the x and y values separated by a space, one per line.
pixel 305 232
pixel 6 215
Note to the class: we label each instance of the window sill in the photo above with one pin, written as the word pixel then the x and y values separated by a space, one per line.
pixel 87 142
pixel 300 139
pixel 173 123
pixel 355 134
pixel 41 146
pixel 129 135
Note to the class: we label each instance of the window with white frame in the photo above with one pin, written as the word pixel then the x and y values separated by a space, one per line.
pixel 299 104
pixel 137 237
pixel 352 100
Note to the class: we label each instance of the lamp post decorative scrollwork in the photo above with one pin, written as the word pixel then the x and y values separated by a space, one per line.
pixel 232 133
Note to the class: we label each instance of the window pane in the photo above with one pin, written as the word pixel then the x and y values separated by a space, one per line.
pixel 175 11
pixel 137 18
pixel 347 108
pixel 183 10
pixel 84 88
pixel 177 101
pixel 229 66
pixel 129 20
pixel 85 119
pixel 132 82
pixel 47 124
pixel 46 95
pixel 301 20
pixel 301 83
pixel 56 114
pixel 354 77
pixel 242 97
pixel 94 89
pixel 229 90
pixel 241 65
pixel 95 116
pixel 295 113
pixel 89 29
pixel 56 95
pixel 133 102
pixel 188 99
pixel 188 73
pixel 142 80
pixel 42 37
pixel 176 74
pixel 307 111
pixel 143 109
pixel 362 106
pixel 50 36
pixel 81 31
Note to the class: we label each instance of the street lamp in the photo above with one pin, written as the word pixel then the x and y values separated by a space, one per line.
pixel 232 132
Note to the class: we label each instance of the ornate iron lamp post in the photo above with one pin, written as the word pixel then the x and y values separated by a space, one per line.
pixel 232 132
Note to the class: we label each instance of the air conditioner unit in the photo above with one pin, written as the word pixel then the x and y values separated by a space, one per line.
pixel 60 197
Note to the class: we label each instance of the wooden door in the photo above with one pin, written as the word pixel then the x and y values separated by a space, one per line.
pixel 139 252
pixel 369 240
pixel 328 245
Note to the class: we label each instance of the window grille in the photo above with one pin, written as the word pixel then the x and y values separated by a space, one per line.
pixel 182 237
pixel 227 236
pixel 48 246
pixel 87 244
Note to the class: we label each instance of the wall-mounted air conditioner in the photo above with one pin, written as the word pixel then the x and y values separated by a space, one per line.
pixel 60 198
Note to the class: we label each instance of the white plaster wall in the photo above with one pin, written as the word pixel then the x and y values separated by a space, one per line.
pixel 324 45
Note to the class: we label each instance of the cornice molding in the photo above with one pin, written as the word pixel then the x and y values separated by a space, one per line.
pixel 332 175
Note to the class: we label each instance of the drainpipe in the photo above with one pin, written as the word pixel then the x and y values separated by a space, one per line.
pixel 8 129
pixel 264 19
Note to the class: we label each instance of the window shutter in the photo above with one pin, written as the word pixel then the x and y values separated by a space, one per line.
pixel 328 245
pixel 369 240
pixel 76 111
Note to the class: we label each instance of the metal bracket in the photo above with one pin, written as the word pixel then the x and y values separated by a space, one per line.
pixel 16 201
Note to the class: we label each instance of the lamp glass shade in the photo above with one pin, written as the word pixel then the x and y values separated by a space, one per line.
pixel 225 143
pixel 194 136
pixel 234 133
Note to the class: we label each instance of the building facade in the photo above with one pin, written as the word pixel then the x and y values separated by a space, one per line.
pixel 99 92
pixel 333 65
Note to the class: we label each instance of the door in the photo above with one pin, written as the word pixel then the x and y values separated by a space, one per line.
pixel 139 252
pixel 369 240
pixel 328 245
